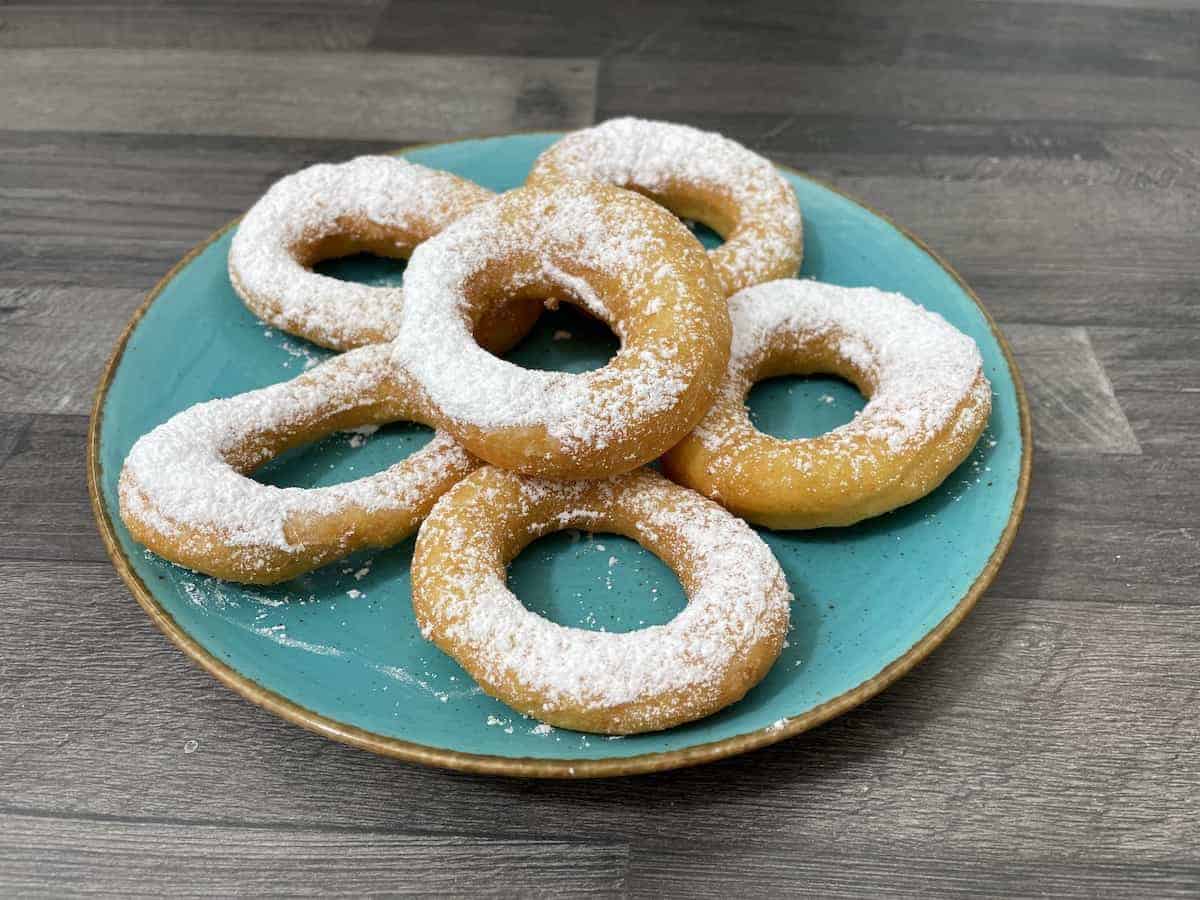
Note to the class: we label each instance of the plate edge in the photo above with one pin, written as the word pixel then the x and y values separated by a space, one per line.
pixel 533 767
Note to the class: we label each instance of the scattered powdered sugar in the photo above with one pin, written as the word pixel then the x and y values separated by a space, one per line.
pixel 599 230
pixel 278 634
pixel 658 157
pixel 738 597
pixel 405 677
pixel 178 476
pixel 298 351
pixel 358 436
pixel 319 202
pixel 921 366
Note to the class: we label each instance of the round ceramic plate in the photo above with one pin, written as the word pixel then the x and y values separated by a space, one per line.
pixel 337 651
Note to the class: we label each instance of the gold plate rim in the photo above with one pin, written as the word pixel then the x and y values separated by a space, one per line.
pixel 533 767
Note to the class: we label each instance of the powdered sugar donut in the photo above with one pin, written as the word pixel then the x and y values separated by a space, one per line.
pixel 185 492
pixel 707 657
pixel 619 256
pixel 928 403
pixel 698 175
pixel 378 204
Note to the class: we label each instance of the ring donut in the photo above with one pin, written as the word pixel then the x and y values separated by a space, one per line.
pixel 623 259
pixel 698 175
pixel 716 649
pixel 928 402
pixel 375 204
pixel 185 491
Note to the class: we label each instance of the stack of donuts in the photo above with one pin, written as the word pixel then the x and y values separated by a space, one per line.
pixel 519 453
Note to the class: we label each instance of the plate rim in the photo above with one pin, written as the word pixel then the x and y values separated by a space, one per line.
pixel 538 767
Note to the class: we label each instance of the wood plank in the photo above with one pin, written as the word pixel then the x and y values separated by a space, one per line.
pixel 54 343
pixel 648 87
pixel 719 871
pixel 1189 5
pixel 45 857
pixel 320 95
pixel 92 210
pixel 46 512
pixel 1058 37
pixel 1070 396
pixel 1040 731
pixel 1165 423
pixel 1149 359
pixel 253 25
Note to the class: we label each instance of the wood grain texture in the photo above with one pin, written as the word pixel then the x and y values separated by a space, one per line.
pixel 330 95
pixel 644 87
pixel 229 25
pixel 778 872
pixel 118 210
pixel 1050 150
pixel 155 859
pixel 54 343
pixel 1056 37
pixel 1165 360
pixel 1070 395
pixel 960 756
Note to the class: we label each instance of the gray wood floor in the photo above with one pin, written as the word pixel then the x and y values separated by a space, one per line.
pixel 1050 150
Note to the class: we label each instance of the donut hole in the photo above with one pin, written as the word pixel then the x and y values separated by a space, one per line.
pixel 363 252
pixel 805 389
pixel 597 582
pixel 344 456
pixel 364 268
pixel 793 407
pixel 566 339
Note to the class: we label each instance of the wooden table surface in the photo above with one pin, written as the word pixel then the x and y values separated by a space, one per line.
pixel 1050 151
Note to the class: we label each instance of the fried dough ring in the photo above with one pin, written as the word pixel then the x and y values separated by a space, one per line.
pixel 707 657
pixel 185 491
pixel 622 258
pixel 374 204
pixel 928 403
pixel 698 175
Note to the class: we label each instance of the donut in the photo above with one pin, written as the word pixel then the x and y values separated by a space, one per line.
pixel 375 204
pixel 928 402
pixel 620 257
pixel 698 175
pixel 707 657
pixel 185 493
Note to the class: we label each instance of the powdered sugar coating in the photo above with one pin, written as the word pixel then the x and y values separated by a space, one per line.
pixel 179 483
pixel 386 195
pixel 928 403
pixel 738 600
pixel 564 240
pixel 921 367
pixel 759 217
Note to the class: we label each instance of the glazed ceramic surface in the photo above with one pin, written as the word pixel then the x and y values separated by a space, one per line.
pixel 337 650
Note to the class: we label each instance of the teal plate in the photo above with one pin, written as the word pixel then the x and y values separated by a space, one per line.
pixel 337 651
